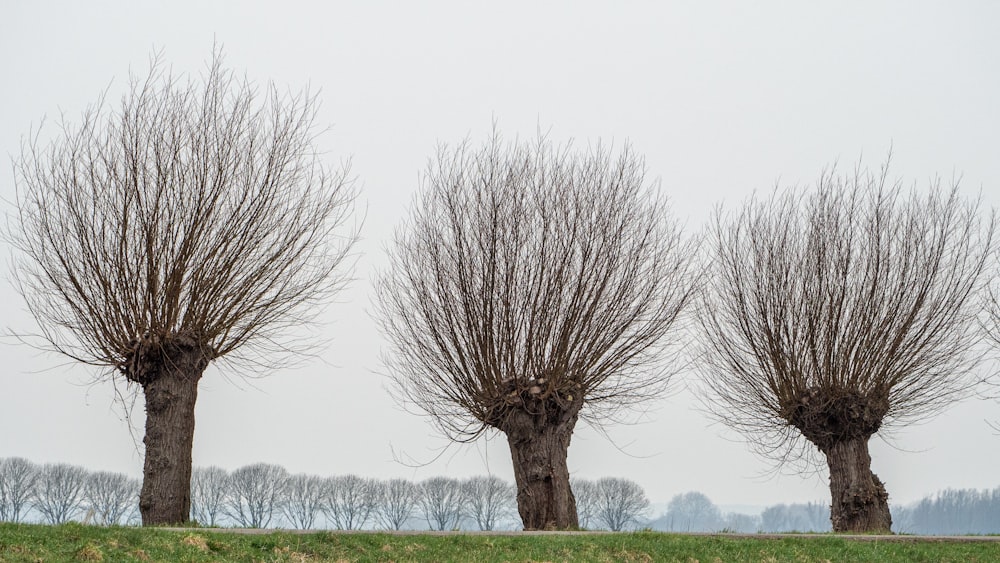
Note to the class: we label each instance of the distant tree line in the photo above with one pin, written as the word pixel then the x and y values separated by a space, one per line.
pixel 961 511
pixel 60 492
pixel 262 495
pixel 949 512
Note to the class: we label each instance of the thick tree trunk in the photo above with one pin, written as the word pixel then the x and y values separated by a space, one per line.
pixel 859 500
pixel 170 383
pixel 544 498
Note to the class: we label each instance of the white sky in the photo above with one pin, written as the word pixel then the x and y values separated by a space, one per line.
pixel 722 98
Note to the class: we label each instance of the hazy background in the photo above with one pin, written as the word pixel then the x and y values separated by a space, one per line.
pixel 722 99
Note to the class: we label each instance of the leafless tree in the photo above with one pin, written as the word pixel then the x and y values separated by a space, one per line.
pixel 349 501
pixel 737 522
pixel 209 491
pixel 303 499
pixel 111 496
pixel 255 491
pixel 811 517
pixel 585 492
pixel 834 312
pixel 194 222
pixel 620 502
pixel 441 502
pixel 59 491
pixel 397 499
pixel 528 282
pixel 489 500
pixel 18 477
pixel 692 512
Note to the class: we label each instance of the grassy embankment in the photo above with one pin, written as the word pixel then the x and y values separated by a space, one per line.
pixel 74 542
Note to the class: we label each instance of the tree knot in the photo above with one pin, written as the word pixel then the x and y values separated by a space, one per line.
pixel 155 353
pixel 541 400
pixel 827 416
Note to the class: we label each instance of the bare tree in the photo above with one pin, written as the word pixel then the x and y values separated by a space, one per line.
pixel 194 222
pixel 739 523
pixel 441 502
pixel 835 312
pixel 489 499
pixel 303 499
pixel 620 502
pixel 349 501
pixel 18 477
pixel 953 512
pixel 111 496
pixel 255 491
pixel 59 491
pixel 396 501
pixel 528 282
pixel 692 512
pixel 585 492
pixel 209 491
pixel 811 517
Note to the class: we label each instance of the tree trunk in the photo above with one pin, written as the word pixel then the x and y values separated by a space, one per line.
pixel 859 500
pixel 544 498
pixel 171 389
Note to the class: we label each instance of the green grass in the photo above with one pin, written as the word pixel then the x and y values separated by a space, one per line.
pixel 74 542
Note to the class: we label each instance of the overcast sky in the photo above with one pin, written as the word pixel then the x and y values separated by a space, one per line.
pixel 721 98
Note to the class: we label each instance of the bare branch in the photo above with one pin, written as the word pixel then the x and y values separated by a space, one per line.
pixel 193 209
pixel 530 267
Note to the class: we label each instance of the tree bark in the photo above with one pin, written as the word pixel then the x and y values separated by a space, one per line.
pixel 859 500
pixel 538 450
pixel 171 389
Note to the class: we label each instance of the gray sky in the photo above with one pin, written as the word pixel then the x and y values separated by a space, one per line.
pixel 721 98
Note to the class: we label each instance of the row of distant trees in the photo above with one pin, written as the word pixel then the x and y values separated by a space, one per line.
pixel 264 495
pixel 953 511
pixel 695 512
pixel 59 492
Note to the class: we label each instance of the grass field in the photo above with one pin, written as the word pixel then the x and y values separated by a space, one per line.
pixel 74 542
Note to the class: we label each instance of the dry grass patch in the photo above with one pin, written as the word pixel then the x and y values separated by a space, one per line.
pixel 196 541
pixel 90 552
